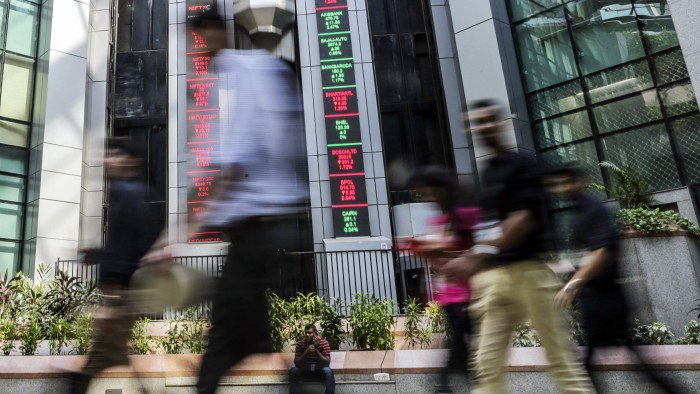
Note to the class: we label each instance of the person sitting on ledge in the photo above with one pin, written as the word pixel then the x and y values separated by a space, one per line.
pixel 312 360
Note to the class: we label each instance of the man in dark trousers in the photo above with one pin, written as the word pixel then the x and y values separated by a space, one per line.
pixel 261 200
pixel 312 360
pixel 590 232
pixel 510 282
pixel 130 234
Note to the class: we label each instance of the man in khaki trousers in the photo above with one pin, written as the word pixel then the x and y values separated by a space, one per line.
pixel 511 284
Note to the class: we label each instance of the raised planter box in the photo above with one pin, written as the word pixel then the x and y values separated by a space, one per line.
pixel 662 272
pixel 410 371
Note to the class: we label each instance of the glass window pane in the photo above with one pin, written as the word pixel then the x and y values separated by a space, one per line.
pixel 605 34
pixel 648 150
pixel 563 129
pixel 11 188
pixel 679 99
pixel 556 100
pixel 619 81
pixel 23 28
pixel 657 25
pixel 12 133
pixel 521 9
pixel 10 220
pixel 687 134
pixel 670 67
pixel 545 50
pixel 632 111
pixel 13 160
pixel 9 258
pixel 17 81
pixel 583 153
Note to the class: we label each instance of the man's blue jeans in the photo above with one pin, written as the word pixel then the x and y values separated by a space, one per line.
pixel 325 375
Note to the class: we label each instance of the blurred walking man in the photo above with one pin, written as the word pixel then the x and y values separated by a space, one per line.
pixel 510 283
pixel 261 200
pixel 604 307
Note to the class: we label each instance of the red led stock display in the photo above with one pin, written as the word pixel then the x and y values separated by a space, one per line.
pixel 202 121
pixel 345 162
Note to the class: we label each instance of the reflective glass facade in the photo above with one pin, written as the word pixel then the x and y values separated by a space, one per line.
pixel 19 29
pixel 606 80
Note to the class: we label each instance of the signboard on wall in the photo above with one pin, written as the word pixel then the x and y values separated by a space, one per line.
pixel 202 121
pixel 345 156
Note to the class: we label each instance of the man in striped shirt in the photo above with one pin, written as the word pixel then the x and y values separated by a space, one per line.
pixel 312 360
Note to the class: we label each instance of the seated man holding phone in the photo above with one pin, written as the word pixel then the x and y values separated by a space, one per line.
pixel 312 360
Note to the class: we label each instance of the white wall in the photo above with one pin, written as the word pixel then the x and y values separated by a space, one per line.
pixel 686 14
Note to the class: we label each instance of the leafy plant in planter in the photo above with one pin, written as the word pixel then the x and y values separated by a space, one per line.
pixel 8 334
pixel 415 332
pixel 59 331
pixel 692 334
pixel 648 221
pixel 525 336
pixel 656 333
pixel 80 332
pixel 629 188
pixel 193 331
pixel 29 335
pixel 371 322
pixel 332 324
pixel 141 343
pixel 437 320
pixel 278 320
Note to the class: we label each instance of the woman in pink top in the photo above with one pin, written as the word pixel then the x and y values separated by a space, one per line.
pixel 453 232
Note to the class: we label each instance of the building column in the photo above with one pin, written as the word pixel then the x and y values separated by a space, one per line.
pixel 489 68
pixel 56 150
pixel 686 14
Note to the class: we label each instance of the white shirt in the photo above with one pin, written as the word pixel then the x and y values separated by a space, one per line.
pixel 262 135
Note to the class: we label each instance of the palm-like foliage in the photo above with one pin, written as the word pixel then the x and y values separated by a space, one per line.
pixel 629 188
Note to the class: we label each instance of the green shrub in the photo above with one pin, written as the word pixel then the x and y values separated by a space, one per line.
pixel 29 335
pixel 629 188
pixel 437 319
pixel 332 324
pixel 80 332
pixel 692 334
pixel 8 334
pixel 278 320
pixel 59 331
pixel 656 333
pixel 141 342
pixel 416 333
pixel 525 336
pixel 654 221
pixel 371 322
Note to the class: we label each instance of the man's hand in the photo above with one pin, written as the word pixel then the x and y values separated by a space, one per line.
pixel 311 348
pixel 158 257
pixel 464 266
pixel 567 295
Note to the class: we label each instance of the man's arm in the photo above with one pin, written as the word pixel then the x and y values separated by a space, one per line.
pixel 592 265
pixel 323 351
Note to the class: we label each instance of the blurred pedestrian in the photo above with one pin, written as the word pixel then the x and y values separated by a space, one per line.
pixel 130 234
pixel 261 199
pixel 312 360
pixel 511 284
pixel 604 307
pixel 451 231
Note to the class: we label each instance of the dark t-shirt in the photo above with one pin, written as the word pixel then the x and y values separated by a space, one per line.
pixel 130 234
pixel 592 229
pixel 511 183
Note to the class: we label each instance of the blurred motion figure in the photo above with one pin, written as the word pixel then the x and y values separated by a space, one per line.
pixel 511 284
pixel 604 307
pixel 260 202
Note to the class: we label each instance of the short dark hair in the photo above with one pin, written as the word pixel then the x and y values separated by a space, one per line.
pixel 207 19
pixel 571 169
pixel 306 327
pixel 496 106
pixel 127 146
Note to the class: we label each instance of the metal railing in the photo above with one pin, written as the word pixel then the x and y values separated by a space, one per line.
pixel 336 276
